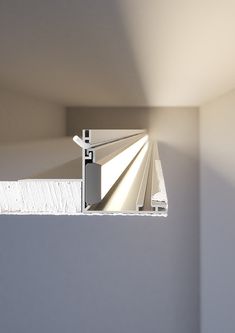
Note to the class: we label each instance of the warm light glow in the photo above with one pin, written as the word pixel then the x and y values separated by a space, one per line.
pixel 120 195
pixel 112 170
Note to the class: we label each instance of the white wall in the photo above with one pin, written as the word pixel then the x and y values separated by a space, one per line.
pixel 32 139
pixel 24 118
pixel 217 136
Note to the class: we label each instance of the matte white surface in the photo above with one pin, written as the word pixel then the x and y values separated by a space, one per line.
pixel 10 197
pixel 24 118
pixel 123 52
pixel 54 158
pixel 217 171
pixel 40 197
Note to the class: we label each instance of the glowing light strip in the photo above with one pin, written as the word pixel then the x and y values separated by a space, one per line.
pixel 112 170
pixel 124 189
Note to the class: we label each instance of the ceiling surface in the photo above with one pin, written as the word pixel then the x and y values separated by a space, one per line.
pixel 118 53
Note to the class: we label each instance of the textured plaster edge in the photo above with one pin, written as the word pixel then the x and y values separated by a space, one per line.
pixel 34 196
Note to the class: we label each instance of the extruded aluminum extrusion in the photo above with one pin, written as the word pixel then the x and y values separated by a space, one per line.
pixel 121 174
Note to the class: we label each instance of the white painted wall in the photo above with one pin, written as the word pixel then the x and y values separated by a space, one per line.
pixel 54 158
pixel 217 136
pixel 25 118
pixel 32 139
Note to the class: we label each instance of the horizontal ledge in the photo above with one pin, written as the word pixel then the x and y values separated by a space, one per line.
pixel 41 196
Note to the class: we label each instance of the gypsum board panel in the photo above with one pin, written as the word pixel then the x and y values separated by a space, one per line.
pixel 100 177
pixel 41 196
pixel 123 195
pixel 101 136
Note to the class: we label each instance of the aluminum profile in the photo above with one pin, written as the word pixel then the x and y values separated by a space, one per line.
pixel 121 174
